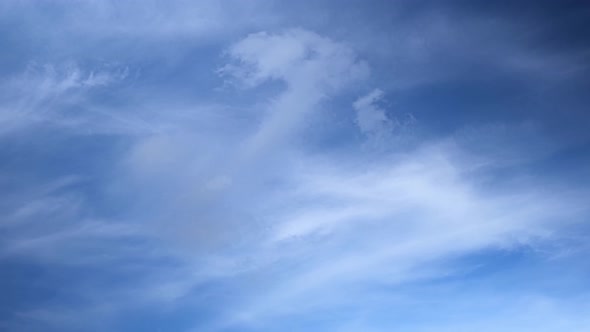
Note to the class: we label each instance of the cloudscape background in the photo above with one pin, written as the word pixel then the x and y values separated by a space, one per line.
pixel 294 165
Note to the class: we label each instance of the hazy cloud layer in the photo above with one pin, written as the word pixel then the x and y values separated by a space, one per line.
pixel 220 166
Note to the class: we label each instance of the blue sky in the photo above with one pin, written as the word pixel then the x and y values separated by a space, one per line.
pixel 294 166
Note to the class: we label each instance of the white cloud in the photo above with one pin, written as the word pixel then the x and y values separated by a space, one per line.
pixel 262 204
pixel 251 202
pixel 375 123
pixel 198 179
pixel 42 92
pixel 297 56
pixel 392 222
pixel 312 67
pixel 371 119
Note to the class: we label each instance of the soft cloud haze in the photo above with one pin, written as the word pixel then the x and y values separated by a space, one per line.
pixel 273 166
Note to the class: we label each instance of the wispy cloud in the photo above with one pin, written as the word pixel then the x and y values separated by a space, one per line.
pixel 46 94
pixel 209 168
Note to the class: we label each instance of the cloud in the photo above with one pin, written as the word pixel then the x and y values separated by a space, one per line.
pixel 312 67
pixel 151 20
pixel 382 128
pixel 395 221
pixel 369 117
pixel 43 94
pixel 258 204
pixel 296 56
pixel 198 186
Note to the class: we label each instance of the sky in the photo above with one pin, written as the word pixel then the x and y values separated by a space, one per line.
pixel 266 165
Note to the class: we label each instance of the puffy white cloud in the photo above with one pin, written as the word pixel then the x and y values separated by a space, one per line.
pixel 299 57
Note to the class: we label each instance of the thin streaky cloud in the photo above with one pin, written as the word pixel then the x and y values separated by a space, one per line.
pixel 270 166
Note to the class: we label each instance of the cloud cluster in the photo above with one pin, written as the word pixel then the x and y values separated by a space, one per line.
pixel 337 220
pixel 143 188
